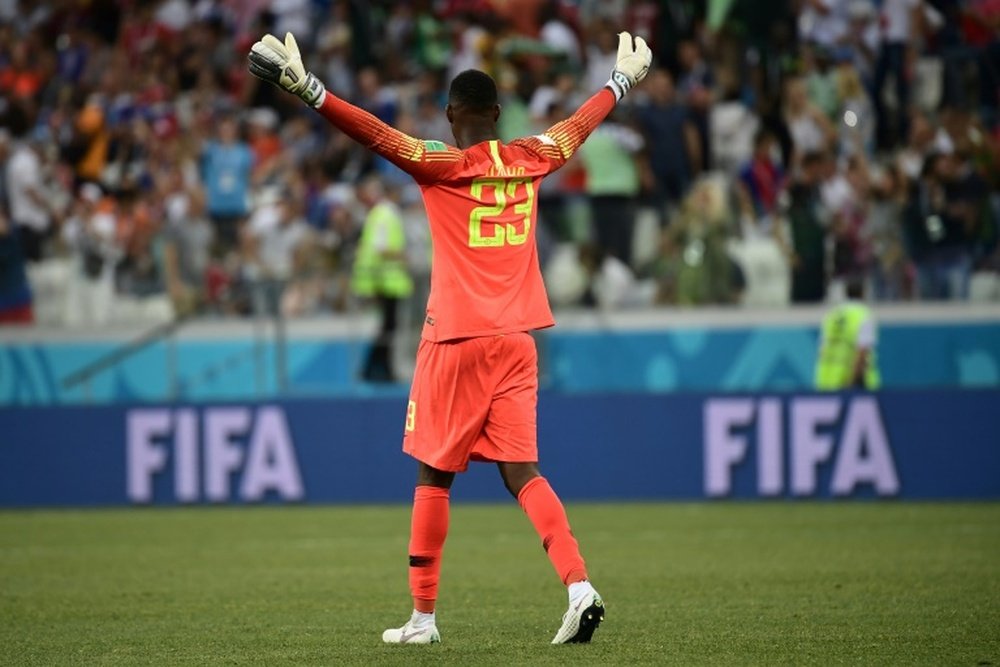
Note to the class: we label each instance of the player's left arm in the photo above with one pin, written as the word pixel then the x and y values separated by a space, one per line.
pixel 281 64
pixel 558 144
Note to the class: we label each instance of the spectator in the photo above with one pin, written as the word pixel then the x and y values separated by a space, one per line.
pixel 810 129
pixel 226 165
pixel 29 206
pixel 823 23
pixel 673 144
pixel 900 20
pixel 91 233
pixel 820 79
pixel 697 259
pixel 846 357
pixel 15 292
pixel 807 222
pixel 762 179
pixel 862 39
pixel 846 196
pixel 609 156
pixel 140 99
pixel 139 273
pixel 278 244
pixel 890 268
pixel 557 35
pixel 936 232
pixel 924 139
pixel 601 54
pixel 187 250
pixel 88 148
pixel 611 284
pixel 855 116
pixel 381 274
pixel 696 82
pixel 732 125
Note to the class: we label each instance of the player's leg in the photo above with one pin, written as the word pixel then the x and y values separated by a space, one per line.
pixel 428 531
pixel 444 417
pixel 547 514
pixel 511 439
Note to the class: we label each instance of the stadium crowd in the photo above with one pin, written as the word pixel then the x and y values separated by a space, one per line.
pixel 778 149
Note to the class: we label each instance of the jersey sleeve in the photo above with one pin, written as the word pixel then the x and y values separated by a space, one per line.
pixel 426 161
pixel 557 144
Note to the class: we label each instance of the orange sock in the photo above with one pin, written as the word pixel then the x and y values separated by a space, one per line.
pixel 428 530
pixel 546 512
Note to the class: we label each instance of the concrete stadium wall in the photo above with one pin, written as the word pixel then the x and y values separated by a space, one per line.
pixel 920 346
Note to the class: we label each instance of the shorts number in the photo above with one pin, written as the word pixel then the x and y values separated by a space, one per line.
pixel 411 415
pixel 502 233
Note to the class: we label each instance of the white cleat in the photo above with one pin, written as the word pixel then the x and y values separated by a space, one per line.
pixel 581 619
pixel 412 634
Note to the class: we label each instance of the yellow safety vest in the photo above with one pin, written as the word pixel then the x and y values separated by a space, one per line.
pixel 839 348
pixel 373 273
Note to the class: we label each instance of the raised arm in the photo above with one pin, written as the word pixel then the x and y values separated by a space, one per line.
pixel 559 142
pixel 424 160
pixel 281 64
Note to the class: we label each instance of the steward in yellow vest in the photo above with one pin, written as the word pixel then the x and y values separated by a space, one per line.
pixel 381 273
pixel 847 347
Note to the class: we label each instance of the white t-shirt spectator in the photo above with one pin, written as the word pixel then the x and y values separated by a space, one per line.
pixel 175 15
pixel 733 127
pixel 807 135
pixel 294 16
pixel 599 67
pixel 897 20
pixel 24 176
pixel 277 240
pixel 837 193
pixel 825 28
pixel 561 37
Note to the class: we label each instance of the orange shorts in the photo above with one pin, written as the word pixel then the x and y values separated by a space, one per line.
pixel 474 399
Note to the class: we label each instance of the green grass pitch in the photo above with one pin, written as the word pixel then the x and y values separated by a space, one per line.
pixel 685 584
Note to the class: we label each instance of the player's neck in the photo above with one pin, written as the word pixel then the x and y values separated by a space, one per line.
pixel 475 133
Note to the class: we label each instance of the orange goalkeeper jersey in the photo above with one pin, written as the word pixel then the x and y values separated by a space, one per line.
pixel 482 209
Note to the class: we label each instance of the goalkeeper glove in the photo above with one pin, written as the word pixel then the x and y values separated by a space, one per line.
pixel 281 64
pixel 632 65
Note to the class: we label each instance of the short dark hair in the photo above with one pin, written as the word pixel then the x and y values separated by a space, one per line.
pixel 473 90
pixel 855 286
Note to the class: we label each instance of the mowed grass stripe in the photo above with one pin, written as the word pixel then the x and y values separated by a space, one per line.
pixel 715 583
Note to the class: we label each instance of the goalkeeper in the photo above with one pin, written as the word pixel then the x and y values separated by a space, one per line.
pixel 475 387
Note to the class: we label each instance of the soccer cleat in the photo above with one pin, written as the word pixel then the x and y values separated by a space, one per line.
pixel 411 634
pixel 581 619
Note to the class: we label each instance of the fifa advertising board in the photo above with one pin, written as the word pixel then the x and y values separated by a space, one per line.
pixel 906 445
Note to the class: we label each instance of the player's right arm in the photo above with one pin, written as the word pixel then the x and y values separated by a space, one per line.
pixel 557 144
pixel 281 64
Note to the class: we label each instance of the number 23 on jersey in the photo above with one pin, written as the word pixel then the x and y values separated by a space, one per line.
pixel 506 191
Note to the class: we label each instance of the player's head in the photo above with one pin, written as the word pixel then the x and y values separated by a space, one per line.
pixel 855 287
pixel 472 98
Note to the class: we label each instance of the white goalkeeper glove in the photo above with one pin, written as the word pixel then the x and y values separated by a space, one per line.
pixel 281 64
pixel 632 65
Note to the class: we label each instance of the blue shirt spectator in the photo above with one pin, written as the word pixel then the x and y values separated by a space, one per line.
pixel 226 165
